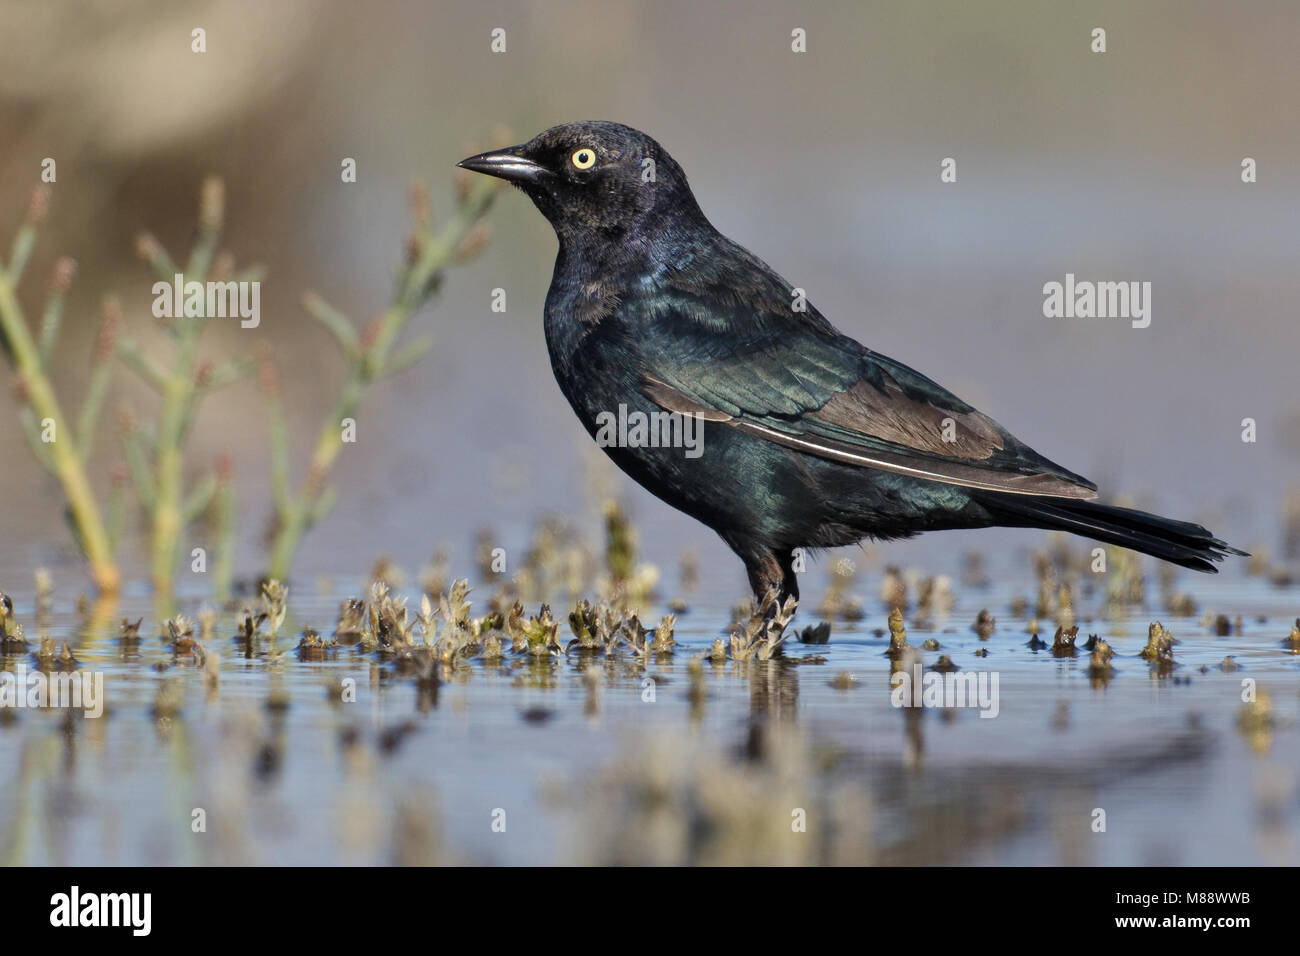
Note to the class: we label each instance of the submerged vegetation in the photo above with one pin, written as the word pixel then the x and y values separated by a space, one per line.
pixel 733 764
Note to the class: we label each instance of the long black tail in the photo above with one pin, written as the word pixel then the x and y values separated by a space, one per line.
pixel 1180 542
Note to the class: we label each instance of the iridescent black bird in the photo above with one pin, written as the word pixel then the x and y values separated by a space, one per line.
pixel 810 439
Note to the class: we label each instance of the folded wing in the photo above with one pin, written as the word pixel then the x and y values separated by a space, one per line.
pixel 790 378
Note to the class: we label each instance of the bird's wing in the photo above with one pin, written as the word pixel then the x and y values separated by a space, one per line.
pixel 792 379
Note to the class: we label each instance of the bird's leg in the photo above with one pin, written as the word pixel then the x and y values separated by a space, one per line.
pixel 767 569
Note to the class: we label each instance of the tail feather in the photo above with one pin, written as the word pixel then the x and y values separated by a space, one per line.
pixel 1179 542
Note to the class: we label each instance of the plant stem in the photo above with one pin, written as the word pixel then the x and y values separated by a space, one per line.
pixel 370 358
pixel 167 516
pixel 225 523
pixel 64 454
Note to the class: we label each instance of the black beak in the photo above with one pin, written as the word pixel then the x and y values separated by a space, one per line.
pixel 508 164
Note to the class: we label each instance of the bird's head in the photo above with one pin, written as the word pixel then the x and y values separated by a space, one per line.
pixel 593 179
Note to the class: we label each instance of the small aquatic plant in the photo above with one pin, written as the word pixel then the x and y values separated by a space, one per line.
pixel 180 636
pixel 44 598
pixel 688 573
pixel 1292 641
pixel 313 647
pixel 373 354
pixel 60 444
pixel 663 644
pixel 1100 668
pixel 156 456
pixel 351 625
pixel 935 600
pixel 634 635
pixel 585 627
pixel 1159 649
pixel 556 561
pixel 944 665
pixel 389 623
pixel 1063 642
pixel 461 636
pixel 1065 607
pixel 54 656
pixel 893 590
pixel 433 575
pixel 514 628
pixel 839 600
pixel 11 632
pixel 761 637
pixel 614 630
pixel 819 633
pixel 1125 582
pixel 541 634
pixel 629 583
pixel 897 635
pixel 275 605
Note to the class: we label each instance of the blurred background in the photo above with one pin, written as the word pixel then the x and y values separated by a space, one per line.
pixel 1117 166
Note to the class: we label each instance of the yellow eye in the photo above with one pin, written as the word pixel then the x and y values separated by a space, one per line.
pixel 584 158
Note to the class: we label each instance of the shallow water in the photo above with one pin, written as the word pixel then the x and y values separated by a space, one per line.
pixel 397 778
